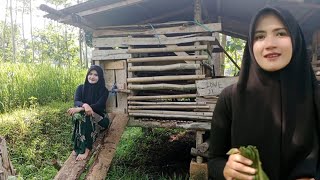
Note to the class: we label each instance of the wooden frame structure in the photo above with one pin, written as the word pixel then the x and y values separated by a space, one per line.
pixel 158 60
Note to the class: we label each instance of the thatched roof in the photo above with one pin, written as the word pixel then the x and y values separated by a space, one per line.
pixel 235 15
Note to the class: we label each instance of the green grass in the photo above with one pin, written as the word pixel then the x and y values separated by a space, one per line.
pixel 24 84
pixel 35 136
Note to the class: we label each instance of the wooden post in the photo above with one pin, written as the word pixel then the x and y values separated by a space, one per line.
pixel 6 167
pixel 198 18
pixel 199 140
pixel 315 44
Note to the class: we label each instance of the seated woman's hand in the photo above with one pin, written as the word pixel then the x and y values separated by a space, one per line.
pixel 238 167
pixel 88 110
pixel 74 110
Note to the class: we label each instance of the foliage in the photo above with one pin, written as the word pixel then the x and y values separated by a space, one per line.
pixel 152 153
pixel 54 46
pixel 35 137
pixel 20 82
pixel 252 153
pixel 234 47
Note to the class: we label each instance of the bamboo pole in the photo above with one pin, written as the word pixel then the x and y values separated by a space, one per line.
pixel 162 97
pixel 168 49
pixel 170 116
pixel 168 107
pixel 168 58
pixel 208 114
pixel 168 102
pixel 165 67
pixel 315 62
pixel 162 87
pixel 165 78
pixel 316 69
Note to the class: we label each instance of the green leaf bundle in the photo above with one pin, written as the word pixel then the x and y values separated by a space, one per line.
pixel 252 153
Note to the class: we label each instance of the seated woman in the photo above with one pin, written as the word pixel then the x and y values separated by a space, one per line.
pixel 89 115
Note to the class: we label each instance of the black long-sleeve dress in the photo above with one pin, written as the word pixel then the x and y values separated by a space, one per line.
pixel 278 112
pixel 86 127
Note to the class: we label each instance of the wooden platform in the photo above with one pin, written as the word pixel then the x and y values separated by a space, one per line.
pixel 103 149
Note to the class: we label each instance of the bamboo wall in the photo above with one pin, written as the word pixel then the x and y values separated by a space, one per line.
pixel 316 53
pixel 155 70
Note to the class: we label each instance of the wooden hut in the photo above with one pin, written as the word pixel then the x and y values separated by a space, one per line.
pixel 161 57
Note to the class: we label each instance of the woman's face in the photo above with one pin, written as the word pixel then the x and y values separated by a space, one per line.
pixel 93 77
pixel 272 46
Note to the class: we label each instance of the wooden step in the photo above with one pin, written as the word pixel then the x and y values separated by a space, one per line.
pixel 103 149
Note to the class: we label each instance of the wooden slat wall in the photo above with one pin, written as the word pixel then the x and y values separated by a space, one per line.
pixel 316 54
pixel 159 71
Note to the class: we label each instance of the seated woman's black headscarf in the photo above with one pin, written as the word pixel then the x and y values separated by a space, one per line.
pixel 95 95
pixel 275 111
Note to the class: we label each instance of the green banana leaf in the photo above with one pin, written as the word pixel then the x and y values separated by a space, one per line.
pixel 251 152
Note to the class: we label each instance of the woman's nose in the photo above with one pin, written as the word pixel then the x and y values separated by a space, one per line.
pixel 270 42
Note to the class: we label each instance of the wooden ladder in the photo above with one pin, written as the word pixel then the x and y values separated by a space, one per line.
pixel 103 151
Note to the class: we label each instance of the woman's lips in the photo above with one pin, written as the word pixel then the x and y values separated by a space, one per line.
pixel 272 56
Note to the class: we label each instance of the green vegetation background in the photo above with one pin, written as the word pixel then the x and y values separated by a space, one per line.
pixel 33 120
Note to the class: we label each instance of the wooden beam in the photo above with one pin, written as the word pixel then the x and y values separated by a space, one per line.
pixel 127 41
pixel 169 58
pixel 72 169
pixel 170 124
pixel 162 97
pixel 107 149
pixel 165 78
pixel 169 107
pixel 165 67
pixel 169 49
pixel 166 103
pixel 170 116
pixel 208 114
pixel 110 54
pixel 162 86
pixel 169 30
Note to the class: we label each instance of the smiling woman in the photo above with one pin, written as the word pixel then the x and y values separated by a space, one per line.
pixel 89 113
pixel 274 106
pixel 272 46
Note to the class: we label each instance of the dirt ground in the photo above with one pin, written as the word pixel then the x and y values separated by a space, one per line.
pixel 168 154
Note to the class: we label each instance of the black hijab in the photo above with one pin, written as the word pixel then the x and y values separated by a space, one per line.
pixel 276 111
pixel 92 92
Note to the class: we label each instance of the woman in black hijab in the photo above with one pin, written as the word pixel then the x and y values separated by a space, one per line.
pixel 89 115
pixel 274 106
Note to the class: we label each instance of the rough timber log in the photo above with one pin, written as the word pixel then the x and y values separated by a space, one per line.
pixel 208 114
pixel 168 49
pixel 165 67
pixel 162 97
pixel 162 86
pixel 6 167
pixel 165 78
pixel 107 149
pixel 104 150
pixel 168 58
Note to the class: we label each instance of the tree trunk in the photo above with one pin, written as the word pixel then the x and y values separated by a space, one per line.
pixel 12 35
pixel 6 167
pixel 80 47
pixel 23 35
pixel 31 34
pixel 4 34
pixel 223 44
